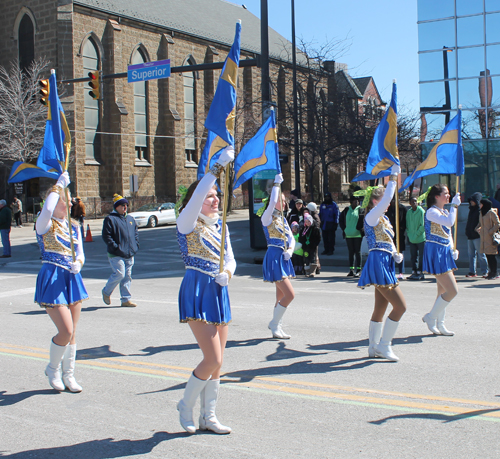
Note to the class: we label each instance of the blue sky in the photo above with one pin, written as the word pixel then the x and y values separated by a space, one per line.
pixel 383 36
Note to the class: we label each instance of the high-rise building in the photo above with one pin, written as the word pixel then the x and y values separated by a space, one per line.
pixel 459 62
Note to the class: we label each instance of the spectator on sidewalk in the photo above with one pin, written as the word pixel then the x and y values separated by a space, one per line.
pixel 473 238
pixel 296 213
pixel 298 252
pixel 5 224
pixel 310 237
pixel 488 225
pixel 329 216
pixel 351 224
pixel 415 230
pixel 120 234
pixel 391 214
pixel 17 210
pixel 79 213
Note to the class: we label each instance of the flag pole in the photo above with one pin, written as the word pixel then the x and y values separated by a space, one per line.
pixel 66 194
pixel 396 202
pixel 457 184
pixel 224 213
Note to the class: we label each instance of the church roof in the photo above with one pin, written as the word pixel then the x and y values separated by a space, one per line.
pixel 213 20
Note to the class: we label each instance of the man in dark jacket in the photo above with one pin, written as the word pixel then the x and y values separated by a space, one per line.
pixel 119 232
pixel 5 224
pixel 473 238
pixel 391 215
pixel 329 216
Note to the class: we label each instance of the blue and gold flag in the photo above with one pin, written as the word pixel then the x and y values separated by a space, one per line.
pixel 57 139
pixel 23 171
pixel 222 113
pixel 260 153
pixel 211 153
pixel 56 143
pixel 384 151
pixel 446 157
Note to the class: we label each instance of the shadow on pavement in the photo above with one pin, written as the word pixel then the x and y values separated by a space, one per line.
pixel 97 353
pixel 282 353
pixel 435 416
pixel 12 399
pixel 100 449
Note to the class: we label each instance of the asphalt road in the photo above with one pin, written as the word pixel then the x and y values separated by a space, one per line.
pixel 314 396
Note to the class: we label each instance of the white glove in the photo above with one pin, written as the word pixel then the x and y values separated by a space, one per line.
pixel 395 169
pixel 287 255
pixel 454 254
pixel 222 279
pixel 456 199
pixel 398 257
pixel 278 178
pixel 63 181
pixel 75 266
pixel 226 156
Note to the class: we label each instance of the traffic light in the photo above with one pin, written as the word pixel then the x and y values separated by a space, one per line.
pixel 44 91
pixel 95 84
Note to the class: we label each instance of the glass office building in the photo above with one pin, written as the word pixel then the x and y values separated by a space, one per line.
pixel 459 64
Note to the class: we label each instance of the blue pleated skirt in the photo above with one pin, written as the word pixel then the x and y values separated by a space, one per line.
pixel 275 268
pixel 379 270
pixel 203 299
pixel 57 286
pixel 437 259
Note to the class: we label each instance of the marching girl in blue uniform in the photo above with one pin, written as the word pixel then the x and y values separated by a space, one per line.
pixel 439 254
pixel 203 295
pixel 277 266
pixel 379 270
pixel 59 285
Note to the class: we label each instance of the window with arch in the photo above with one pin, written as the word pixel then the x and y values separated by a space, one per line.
pixel 140 111
pixel 189 83
pixel 26 41
pixel 90 56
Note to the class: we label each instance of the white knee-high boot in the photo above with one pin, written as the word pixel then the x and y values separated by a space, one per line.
pixel 384 348
pixel 275 324
pixel 53 369
pixel 431 317
pixel 208 402
pixel 374 334
pixel 440 324
pixel 68 369
pixel 185 407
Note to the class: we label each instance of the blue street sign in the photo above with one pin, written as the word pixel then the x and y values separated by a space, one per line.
pixel 148 71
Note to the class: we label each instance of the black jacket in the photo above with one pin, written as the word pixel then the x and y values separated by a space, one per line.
pixel 473 218
pixel 391 215
pixel 120 235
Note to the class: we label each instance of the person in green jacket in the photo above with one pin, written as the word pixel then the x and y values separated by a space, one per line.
pixel 351 223
pixel 415 231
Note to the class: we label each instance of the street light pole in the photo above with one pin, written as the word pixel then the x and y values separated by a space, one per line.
pixel 295 107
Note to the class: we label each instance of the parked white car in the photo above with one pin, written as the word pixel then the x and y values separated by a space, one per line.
pixel 152 215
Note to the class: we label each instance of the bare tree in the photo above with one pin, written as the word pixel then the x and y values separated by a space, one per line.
pixel 410 154
pixel 22 116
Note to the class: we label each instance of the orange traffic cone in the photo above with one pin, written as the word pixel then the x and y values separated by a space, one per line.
pixel 89 235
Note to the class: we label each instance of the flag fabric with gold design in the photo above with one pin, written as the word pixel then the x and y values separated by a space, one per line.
pixel 210 154
pixel 446 157
pixel 57 140
pixel 384 151
pixel 260 153
pixel 56 143
pixel 221 116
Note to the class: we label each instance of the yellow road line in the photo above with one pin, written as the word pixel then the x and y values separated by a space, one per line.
pixel 283 385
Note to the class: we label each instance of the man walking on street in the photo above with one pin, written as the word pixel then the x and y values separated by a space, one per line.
pixel 415 230
pixel 329 216
pixel 119 232
pixel 5 224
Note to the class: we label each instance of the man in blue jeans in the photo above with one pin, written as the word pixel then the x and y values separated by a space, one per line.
pixel 5 224
pixel 119 232
pixel 473 239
